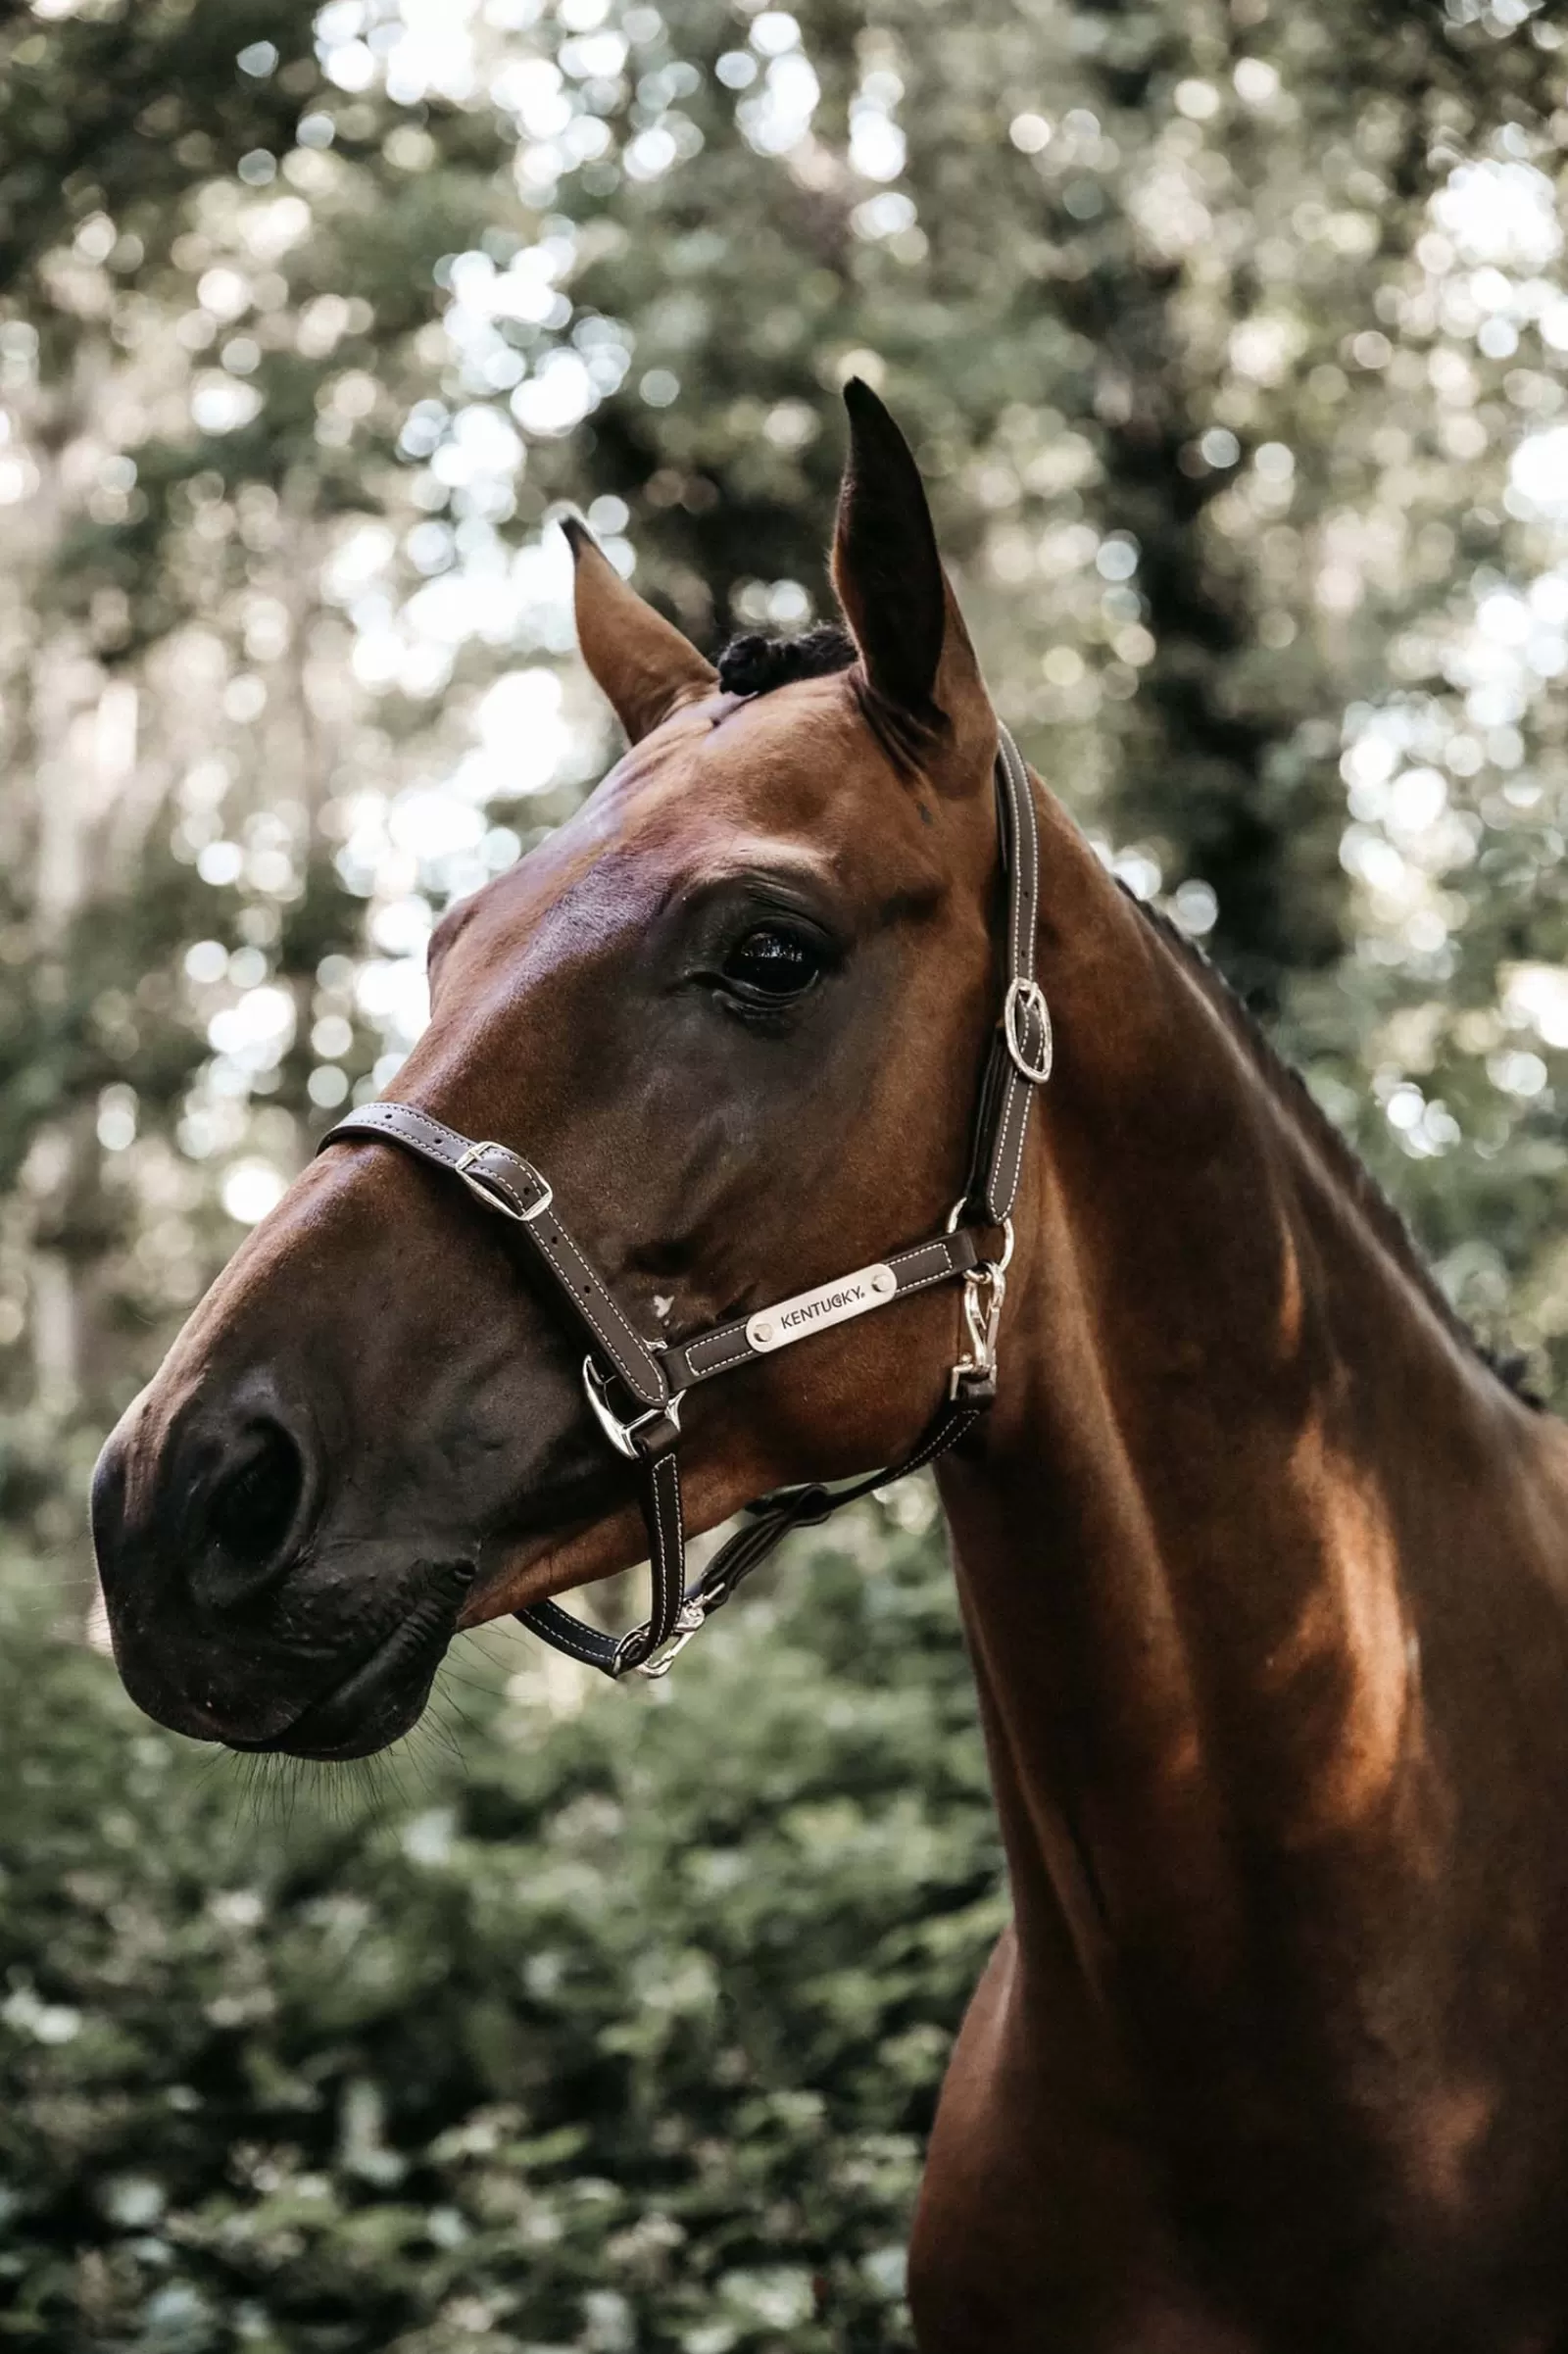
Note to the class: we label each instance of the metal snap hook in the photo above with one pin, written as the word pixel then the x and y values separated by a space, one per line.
pixel 985 1288
pixel 692 1620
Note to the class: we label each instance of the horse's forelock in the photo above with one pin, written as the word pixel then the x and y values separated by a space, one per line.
pixel 754 664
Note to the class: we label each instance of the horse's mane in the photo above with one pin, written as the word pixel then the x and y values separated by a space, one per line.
pixel 1387 1222
pixel 754 664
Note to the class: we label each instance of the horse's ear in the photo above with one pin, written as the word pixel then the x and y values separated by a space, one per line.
pixel 640 661
pixel 914 648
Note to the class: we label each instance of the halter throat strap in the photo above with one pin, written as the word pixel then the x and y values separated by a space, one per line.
pixel 654 1376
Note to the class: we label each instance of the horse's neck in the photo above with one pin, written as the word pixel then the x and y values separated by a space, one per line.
pixel 1192 1553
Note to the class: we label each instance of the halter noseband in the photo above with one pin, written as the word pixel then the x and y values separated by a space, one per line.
pixel 654 1376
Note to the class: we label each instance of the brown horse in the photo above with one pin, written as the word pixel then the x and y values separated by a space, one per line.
pixel 1263 1568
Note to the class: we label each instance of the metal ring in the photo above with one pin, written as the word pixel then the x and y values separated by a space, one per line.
pixel 1032 999
pixel 1009 1238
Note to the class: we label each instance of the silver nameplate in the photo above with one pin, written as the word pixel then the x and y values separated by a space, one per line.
pixel 834 1303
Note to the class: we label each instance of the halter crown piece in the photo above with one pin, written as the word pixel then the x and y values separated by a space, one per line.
pixel 653 1377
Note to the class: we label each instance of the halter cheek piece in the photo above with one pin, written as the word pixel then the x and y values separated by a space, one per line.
pixel 653 1377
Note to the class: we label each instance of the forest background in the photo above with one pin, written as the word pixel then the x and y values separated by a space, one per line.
pixel 1233 340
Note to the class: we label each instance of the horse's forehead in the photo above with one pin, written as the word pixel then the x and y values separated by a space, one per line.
pixel 720 784
pixel 800 763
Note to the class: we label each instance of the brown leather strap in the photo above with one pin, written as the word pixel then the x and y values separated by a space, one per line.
pixel 617 1656
pixel 507 1182
pixel 1021 1047
pixel 768 1522
pixel 726 1345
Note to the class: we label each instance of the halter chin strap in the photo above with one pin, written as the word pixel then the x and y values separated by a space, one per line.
pixel 654 1376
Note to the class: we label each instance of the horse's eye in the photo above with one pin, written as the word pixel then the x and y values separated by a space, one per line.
pixel 772 964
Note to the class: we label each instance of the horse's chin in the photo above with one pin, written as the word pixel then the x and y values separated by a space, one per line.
pixel 514 1573
pixel 337 1664
pixel 381 1698
pixel 589 1528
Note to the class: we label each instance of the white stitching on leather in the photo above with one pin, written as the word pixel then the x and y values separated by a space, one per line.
pixel 1007 1157
pixel 907 1258
pixel 1015 895
pixel 503 1186
pixel 633 1371
pixel 565 1631
pixel 700 1364
pixel 662 1583
pixel 1018 790
pixel 641 1355
pixel 393 1113
pixel 720 1363
pixel 661 1617
pixel 923 1454
pixel 923 1283
pixel 1004 1165
pixel 1007 1160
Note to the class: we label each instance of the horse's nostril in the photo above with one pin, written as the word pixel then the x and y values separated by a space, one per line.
pixel 252 1508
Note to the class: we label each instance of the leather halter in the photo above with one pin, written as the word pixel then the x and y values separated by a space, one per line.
pixel 654 1376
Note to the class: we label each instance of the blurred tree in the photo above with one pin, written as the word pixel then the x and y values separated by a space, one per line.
pixel 214 298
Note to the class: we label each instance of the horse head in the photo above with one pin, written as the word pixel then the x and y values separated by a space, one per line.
pixel 737 1008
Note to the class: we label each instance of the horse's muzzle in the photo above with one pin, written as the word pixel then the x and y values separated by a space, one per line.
pixel 234 1616
pixel 382 1695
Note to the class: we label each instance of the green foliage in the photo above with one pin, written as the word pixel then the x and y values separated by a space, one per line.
pixel 607 2024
